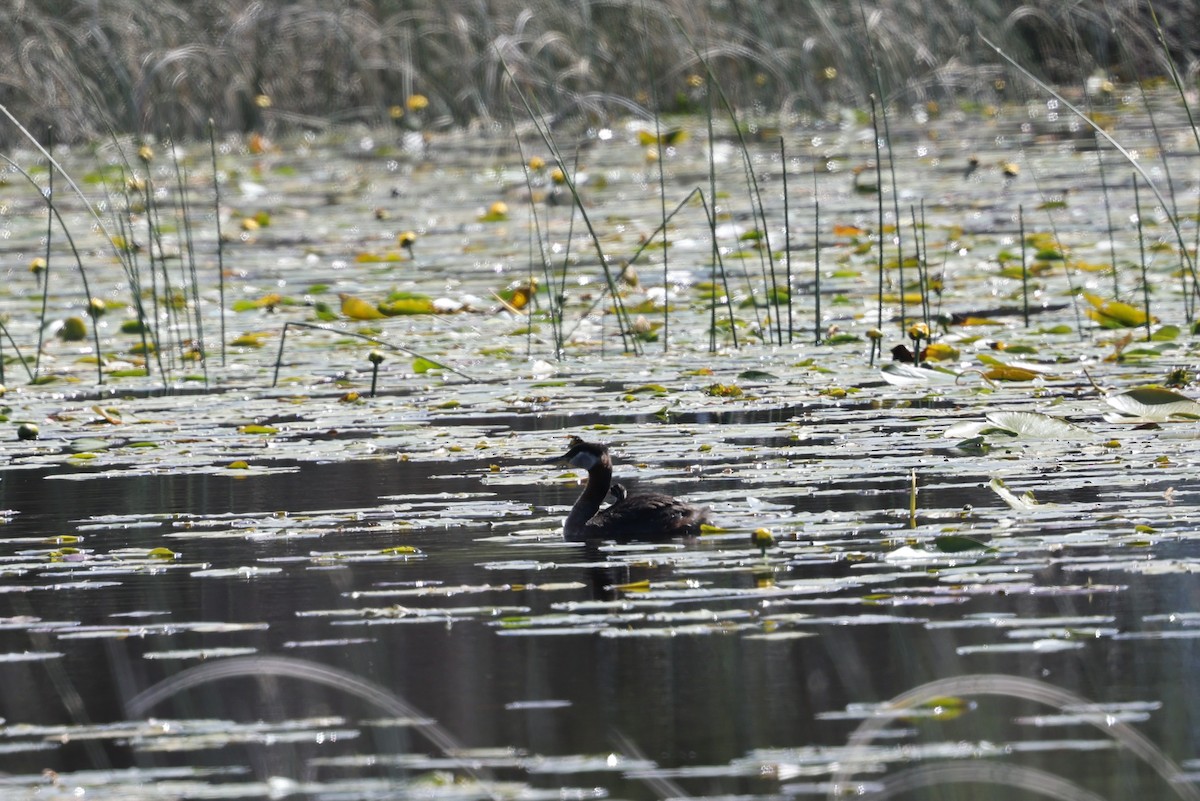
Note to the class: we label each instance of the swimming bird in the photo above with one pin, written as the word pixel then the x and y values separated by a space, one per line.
pixel 645 516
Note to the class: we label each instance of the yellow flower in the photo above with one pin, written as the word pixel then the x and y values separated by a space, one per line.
pixel 537 163
pixel 417 103
pixel 145 153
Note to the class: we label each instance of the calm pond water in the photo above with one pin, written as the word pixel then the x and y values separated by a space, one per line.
pixel 220 586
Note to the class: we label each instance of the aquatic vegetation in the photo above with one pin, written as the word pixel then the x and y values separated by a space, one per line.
pixel 1009 492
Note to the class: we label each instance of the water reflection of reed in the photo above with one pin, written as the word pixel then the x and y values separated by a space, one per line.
pixel 936 768
pixel 857 754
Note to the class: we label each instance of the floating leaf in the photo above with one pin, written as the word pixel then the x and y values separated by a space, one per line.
pixel 1006 372
pixel 249 340
pixel 1154 404
pixel 358 309
pixel 422 365
pixel 1114 313
pixel 411 304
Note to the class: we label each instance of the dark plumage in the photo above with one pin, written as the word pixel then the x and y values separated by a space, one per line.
pixel 645 516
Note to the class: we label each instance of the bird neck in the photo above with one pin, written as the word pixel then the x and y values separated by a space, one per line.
pixel 585 508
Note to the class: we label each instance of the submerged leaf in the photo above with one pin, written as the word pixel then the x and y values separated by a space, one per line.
pixel 957 543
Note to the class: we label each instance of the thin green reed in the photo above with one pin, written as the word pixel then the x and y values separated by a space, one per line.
pixel 166 341
pixel 190 278
pixel 923 266
pixel 816 258
pixel 718 268
pixel 133 272
pixel 1024 265
pixel 922 257
pixel 44 277
pixel 887 136
pixel 648 52
pixel 552 289
pixel 712 232
pixel 212 150
pixel 1187 109
pixel 879 215
pixel 1137 205
pixel 787 235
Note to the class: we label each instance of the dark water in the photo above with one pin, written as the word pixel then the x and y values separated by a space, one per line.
pixel 684 701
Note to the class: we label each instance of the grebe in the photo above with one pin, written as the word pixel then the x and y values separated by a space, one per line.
pixel 632 516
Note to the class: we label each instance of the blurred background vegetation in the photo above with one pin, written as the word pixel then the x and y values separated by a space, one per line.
pixel 89 67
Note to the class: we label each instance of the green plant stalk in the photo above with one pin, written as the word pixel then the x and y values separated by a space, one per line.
pixel 787 237
pixel 212 150
pixel 44 280
pixel 879 219
pixel 923 266
pixel 154 238
pixel 1024 265
pixel 1137 205
pixel 718 264
pixel 1179 87
pixel 816 259
pixel 712 230
pixel 1112 242
pixel 134 274
pixel 921 256
pixel 912 493
pixel 190 277
pixel 16 350
pixel 763 247
pixel 555 312
pixel 887 135
pixel 648 52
